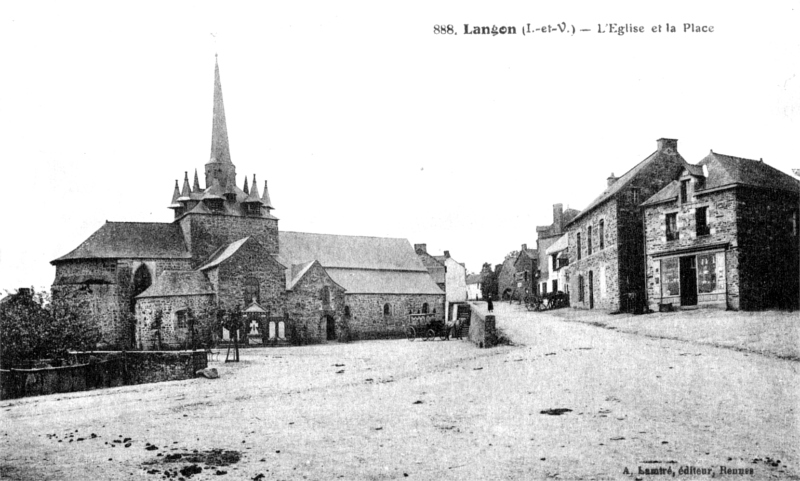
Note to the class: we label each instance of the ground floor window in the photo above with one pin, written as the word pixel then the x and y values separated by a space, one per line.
pixel 707 273
pixel 670 277
pixel 181 319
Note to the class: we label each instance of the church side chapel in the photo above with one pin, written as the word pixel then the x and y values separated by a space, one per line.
pixel 154 285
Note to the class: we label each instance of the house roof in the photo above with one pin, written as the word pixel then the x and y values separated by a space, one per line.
pixel 366 281
pixel 474 279
pixel 178 283
pixel 724 170
pixel 363 265
pixel 667 194
pixel 353 252
pixel 623 181
pixel 561 244
pixel 115 240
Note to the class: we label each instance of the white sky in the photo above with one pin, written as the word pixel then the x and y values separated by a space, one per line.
pixel 363 121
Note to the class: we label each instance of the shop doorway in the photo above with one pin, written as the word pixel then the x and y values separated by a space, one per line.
pixel 688 281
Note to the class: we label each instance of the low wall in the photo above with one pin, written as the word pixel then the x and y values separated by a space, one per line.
pixel 99 370
pixel 482 330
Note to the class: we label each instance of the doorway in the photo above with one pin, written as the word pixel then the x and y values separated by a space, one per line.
pixel 330 328
pixel 591 289
pixel 688 281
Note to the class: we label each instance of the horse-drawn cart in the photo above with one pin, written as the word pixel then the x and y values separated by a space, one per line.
pixel 427 328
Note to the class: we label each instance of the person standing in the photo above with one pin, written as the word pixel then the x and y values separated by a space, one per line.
pixel 490 304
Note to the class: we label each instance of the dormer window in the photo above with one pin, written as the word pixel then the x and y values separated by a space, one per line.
pixel 684 191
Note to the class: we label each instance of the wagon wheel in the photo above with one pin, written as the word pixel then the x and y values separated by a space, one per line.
pixel 430 334
pixel 411 333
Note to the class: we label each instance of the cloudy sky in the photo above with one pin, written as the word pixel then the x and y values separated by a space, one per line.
pixel 366 122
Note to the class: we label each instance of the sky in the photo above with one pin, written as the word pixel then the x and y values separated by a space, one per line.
pixel 364 121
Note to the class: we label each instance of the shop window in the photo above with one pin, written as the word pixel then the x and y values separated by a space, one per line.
pixel 671 221
pixel 706 273
pixel 670 277
pixel 701 221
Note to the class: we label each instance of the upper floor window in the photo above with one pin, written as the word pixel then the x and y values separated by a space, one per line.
pixel 671 222
pixel 555 261
pixel 701 221
pixel 684 191
pixel 589 240
pixel 578 237
pixel 601 234
pixel 635 195
pixel 181 319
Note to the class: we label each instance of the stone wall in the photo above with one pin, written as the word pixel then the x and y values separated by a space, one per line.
pixel 602 263
pixel 251 261
pixel 308 308
pixel 171 335
pixel 368 321
pixel 482 329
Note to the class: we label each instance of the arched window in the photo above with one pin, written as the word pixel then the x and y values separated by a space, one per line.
pixel 325 296
pixel 141 281
pixel 346 311
pixel 387 309
pixel 252 291
pixel 425 308
pixel 181 319
pixel 602 234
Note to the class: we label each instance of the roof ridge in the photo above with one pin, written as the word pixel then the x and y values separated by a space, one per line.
pixel 343 235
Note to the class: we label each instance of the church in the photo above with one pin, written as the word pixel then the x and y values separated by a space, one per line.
pixel 224 251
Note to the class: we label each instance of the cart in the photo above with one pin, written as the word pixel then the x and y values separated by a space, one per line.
pixel 423 326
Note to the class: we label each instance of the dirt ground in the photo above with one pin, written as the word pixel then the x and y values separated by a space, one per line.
pixel 567 401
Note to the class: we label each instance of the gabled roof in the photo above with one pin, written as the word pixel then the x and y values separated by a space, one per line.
pixel 474 279
pixel 724 170
pixel 559 245
pixel 296 272
pixel 120 240
pixel 667 194
pixel 222 254
pixel 623 181
pixel 352 252
pixel 178 283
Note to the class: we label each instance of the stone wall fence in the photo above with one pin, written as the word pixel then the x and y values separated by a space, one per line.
pixel 102 369
pixel 482 330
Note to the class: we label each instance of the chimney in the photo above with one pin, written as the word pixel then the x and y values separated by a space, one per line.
pixel 421 248
pixel 447 254
pixel 524 247
pixel 558 217
pixel 611 179
pixel 669 146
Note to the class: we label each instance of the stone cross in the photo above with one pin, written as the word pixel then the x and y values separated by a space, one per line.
pixel 254 328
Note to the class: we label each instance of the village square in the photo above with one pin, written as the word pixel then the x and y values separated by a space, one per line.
pixel 329 315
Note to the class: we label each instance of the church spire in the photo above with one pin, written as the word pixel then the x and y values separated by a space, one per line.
pixel 265 199
pixel 246 189
pixel 196 186
pixel 220 151
pixel 185 192
pixel 175 194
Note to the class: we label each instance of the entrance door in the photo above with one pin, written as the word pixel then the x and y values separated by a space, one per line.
pixel 330 328
pixel 688 281
pixel 591 289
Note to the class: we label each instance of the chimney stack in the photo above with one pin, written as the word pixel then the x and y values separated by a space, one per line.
pixel 611 179
pixel 669 146
pixel 421 248
pixel 558 217
pixel 447 254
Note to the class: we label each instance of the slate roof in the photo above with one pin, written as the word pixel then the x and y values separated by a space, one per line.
pixel 222 254
pixel 623 181
pixel 296 272
pixel 474 279
pixel 178 283
pixel 561 244
pixel 116 240
pixel 667 194
pixel 361 265
pixel 724 170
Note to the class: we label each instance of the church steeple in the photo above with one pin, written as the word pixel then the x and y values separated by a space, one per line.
pixel 219 165
pixel 196 186
pixel 265 199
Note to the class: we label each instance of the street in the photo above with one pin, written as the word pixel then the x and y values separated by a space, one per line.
pixel 566 401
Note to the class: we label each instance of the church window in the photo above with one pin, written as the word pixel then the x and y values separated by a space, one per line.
pixel 181 319
pixel 387 309
pixel 325 296
pixel 346 311
pixel 425 308
pixel 251 291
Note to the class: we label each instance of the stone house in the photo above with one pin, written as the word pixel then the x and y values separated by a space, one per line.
pixel 435 267
pixel 455 282
pixel 507 280
pixel 723 234
pixel 557 258
pixel 223 251
pixel 526 268
pixel 546 235
pixel 606 240
pixel 474 282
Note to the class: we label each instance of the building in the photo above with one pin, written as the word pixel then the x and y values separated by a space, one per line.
pixel 557 258
pixel 526 268
pixel 724 233
pixel 224 252
pixel 546 235
pixel 606 240
pixel 474 282
pixel 435 267
pixel 455 282
pixel 507 279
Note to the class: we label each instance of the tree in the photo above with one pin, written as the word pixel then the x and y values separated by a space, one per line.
pixel 32 328
pixel 488 282
pixel 511 255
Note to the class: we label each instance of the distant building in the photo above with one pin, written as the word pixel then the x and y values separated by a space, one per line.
pixel 474 282
pixel 557 256
pixel 526 268
pixel 724 233
pixel 546 236
pixel 449 275
pixel 507 280
pixel 606 240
